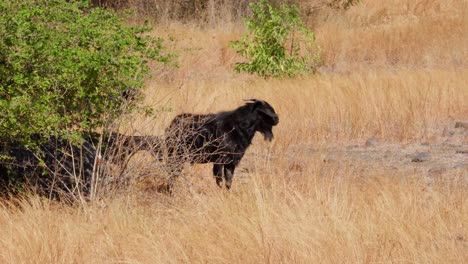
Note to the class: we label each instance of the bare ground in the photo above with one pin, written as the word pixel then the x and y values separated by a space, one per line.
pixel 443 155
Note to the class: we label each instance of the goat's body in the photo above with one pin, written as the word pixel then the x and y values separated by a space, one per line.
pixel 220 138
pixel 198 139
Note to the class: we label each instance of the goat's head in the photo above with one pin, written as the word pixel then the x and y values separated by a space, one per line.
pixel 266 117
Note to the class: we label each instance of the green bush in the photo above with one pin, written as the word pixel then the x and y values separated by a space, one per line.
pixel 279 43
pixel 64 67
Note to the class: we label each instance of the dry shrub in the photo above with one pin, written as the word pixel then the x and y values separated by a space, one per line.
pixel 208 12
pixel 213 12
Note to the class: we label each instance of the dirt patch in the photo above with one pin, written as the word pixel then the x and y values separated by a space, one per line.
pixel 445 155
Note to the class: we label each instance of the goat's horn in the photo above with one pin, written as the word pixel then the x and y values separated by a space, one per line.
pixel 252 100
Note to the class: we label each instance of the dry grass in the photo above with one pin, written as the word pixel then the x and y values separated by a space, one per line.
pixel 393 70
pixel 398 105
pixel 323 215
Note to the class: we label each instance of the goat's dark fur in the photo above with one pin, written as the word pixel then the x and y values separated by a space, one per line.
pixel 220 138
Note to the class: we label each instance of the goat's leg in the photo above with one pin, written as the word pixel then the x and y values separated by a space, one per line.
pixel 228 174
pixel 218 173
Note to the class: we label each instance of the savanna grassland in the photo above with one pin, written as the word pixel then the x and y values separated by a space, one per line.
pixel 395 71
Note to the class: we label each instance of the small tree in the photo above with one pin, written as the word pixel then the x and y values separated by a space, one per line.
pixel 279 43
pixel 64 67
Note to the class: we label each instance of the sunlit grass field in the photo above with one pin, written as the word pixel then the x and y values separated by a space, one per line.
pixel 395 70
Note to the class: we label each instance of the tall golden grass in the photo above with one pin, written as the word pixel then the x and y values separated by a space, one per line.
pixel 395 70
pixel 398 105
pixel 322 215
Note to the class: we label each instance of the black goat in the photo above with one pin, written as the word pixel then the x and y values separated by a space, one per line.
pixel 220 138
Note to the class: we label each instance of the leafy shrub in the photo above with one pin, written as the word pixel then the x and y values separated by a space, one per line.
pixel 66 69
pixel 277 38
pixel 65 66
